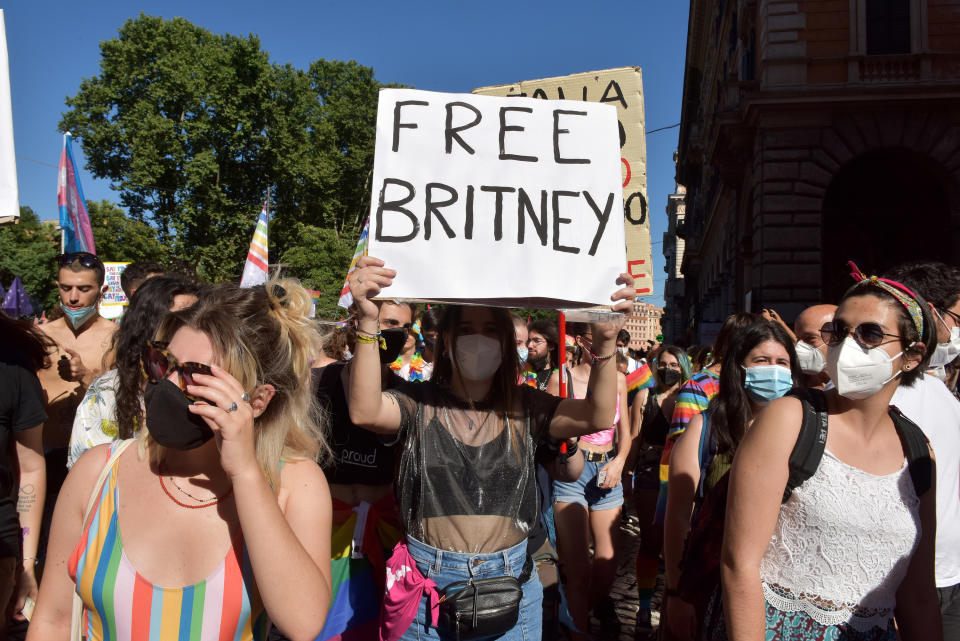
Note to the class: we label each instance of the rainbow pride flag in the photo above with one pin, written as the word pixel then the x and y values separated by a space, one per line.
pixel 255 270
pixel 360 535
pixel 638 379
pixel 346 298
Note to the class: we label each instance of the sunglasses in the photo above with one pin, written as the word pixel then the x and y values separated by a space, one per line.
pixel 157 363
pixel 86 259
pixel 868 335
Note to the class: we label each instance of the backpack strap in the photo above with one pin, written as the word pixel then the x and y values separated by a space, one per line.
pixel 917 447
pixel 806 454
pixel 706 453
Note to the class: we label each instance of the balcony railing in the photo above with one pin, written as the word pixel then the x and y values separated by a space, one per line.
pixel 903 68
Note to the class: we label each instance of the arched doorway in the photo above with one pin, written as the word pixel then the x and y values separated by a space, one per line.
pixel 883 208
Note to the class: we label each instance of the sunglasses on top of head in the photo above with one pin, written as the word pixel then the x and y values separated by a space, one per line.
pixel 868 335
pixel 157 363
pixel 86 259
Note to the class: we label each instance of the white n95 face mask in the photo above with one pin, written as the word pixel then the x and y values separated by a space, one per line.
pixel 478 356
pixel 946 352
pixel 810 358
pixel 858 372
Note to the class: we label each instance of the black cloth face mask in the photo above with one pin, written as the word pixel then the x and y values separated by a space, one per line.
pixel 169 421
pixel 669 377
pixel 395 339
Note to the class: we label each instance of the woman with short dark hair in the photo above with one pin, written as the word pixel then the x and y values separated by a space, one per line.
pixel 850 553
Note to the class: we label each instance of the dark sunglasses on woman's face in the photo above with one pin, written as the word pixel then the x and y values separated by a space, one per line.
pixel 868 335
pixel 157 363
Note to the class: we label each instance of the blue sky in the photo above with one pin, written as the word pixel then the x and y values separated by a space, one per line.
pixel 441 46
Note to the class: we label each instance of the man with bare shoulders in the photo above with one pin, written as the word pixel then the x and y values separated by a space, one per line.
pixel 811 350
pixel 82 338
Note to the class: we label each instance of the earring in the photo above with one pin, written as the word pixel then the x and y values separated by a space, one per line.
pixel 907 367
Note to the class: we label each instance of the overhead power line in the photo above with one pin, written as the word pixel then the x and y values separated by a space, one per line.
pixel 39 162
pixel 653 131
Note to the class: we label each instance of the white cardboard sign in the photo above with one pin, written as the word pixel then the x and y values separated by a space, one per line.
pixel 503 201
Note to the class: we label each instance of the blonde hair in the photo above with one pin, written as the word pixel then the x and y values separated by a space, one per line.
pixel 263 335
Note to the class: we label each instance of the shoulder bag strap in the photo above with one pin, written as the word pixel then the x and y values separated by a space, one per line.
pixel 77 614
pixel 917 447
pixel 806 454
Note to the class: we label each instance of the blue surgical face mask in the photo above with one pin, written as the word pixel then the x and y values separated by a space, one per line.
pixel 765 383
pixel 78 317
pixel 523 353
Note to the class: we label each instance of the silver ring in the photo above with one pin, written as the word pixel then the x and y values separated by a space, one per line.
pixel 245 397
pixel 232 408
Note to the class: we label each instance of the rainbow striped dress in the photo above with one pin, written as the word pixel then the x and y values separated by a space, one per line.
pixel 121 605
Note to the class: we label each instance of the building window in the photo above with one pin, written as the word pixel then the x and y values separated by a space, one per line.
pixel 888 27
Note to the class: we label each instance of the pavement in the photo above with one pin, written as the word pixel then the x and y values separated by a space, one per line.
pixel 624 591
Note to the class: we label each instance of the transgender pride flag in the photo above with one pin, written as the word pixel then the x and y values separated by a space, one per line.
pixel 255 271
pixel 74 219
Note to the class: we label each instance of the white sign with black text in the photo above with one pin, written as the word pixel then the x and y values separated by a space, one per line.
pixel 497 200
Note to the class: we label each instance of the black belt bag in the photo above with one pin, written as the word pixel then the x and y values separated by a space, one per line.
pixel 479 608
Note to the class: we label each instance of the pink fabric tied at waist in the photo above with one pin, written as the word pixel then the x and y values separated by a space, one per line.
pixel 405 587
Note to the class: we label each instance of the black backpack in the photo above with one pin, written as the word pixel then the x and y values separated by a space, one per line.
pixel 700 567
pixel 806 454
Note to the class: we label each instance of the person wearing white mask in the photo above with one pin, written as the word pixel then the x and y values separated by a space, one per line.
pixel 850 549
pixel 930 405
pixel 811 350
pixel 466 480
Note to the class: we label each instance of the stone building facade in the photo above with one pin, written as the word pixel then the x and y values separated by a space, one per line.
pixel 815 132
pixel 643 324
pixel 673 288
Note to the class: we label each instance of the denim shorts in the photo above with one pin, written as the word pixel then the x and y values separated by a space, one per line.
pixel 586 492
pixel 445 567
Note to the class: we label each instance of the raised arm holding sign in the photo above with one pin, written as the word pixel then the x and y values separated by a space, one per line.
pixel 469 190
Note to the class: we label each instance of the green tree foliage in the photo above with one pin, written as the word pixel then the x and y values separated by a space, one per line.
pixel 194 128
pixel 119 237
pixel 324 275
pixel 28 250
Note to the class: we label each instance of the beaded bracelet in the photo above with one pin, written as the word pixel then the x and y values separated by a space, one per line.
pixel 597 359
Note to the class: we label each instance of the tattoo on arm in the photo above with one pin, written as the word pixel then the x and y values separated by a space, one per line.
pixel 26 498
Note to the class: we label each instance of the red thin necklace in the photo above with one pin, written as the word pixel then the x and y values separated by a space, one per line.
pixel 214 501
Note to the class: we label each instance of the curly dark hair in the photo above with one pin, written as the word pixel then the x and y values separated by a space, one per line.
pixel 730 409
pixel 148 307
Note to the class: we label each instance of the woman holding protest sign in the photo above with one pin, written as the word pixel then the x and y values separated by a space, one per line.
pixel 466 482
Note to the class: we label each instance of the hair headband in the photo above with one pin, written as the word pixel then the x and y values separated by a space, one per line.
pixel 898 290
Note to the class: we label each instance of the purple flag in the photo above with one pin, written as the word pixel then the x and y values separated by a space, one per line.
pixel 16 303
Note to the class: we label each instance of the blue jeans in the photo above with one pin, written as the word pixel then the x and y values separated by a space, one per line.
pixel 586 492
pixel 445 567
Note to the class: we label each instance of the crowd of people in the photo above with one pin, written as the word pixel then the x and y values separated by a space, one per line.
pixel 459 472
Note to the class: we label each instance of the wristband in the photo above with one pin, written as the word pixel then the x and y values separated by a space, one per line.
pixel 367 338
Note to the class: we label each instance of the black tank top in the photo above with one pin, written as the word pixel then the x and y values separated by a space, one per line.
pixel 655 425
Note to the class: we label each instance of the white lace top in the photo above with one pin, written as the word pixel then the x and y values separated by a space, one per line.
pixel 842 545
